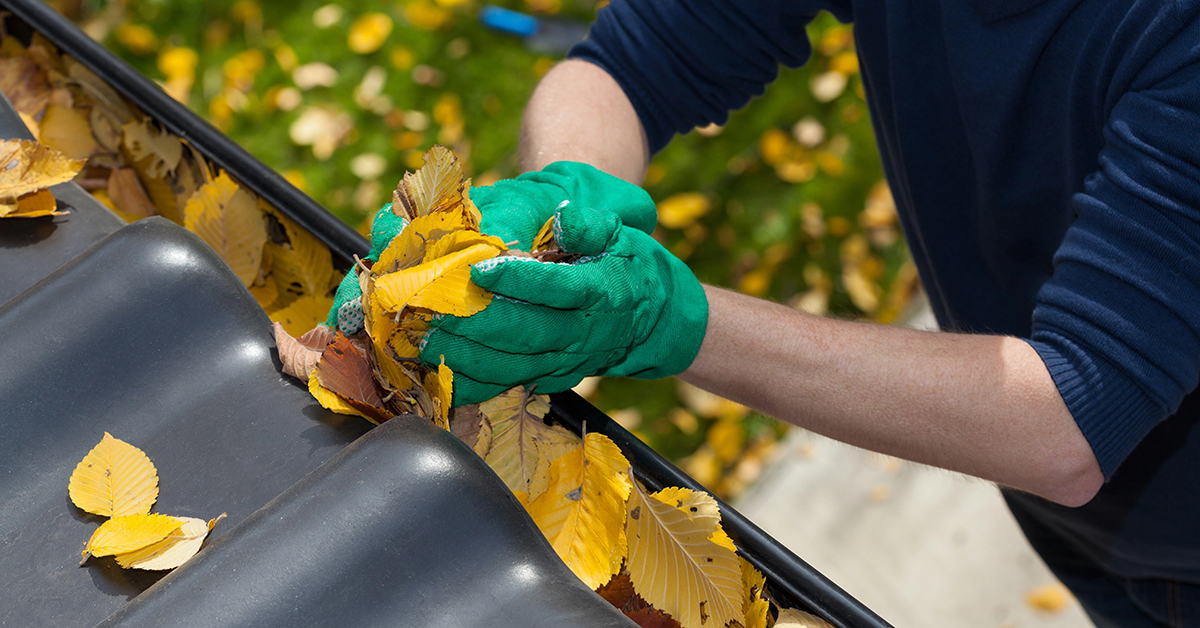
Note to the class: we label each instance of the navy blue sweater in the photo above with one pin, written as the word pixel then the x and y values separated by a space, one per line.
pixel 1045 160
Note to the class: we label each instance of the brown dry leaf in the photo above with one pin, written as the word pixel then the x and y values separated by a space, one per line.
pixel 227 218
pixel 114 479
pixel 300 355
pixel 302 314
pixel 127 533
pixel 174 550
pixel 24 83
pixel 469 425
pixel 106 129
pixel 582 510
pixel 332 402
pixel 144 140
pixel 679 558
pixel 128 195
pixel 345 370
pixel 99 92
pixel 650 617
pixel 792 618
pixel 67 131
pixel 161 191
pixel 26 166
pixel 523 446
pixel 618 591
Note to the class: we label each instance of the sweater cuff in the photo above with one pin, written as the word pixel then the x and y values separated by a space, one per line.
pixel 1113 413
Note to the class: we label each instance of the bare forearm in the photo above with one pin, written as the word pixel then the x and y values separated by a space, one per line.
pixel 579 113
pixel 982 405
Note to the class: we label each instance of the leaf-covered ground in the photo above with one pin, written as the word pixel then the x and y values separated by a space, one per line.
pixel 784 202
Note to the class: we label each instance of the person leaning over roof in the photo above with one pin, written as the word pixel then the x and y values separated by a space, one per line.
pixel 1044 161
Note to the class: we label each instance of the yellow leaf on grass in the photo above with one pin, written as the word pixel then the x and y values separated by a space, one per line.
pixel 143 140
pixel 26 166
pixel 792 618
pixel 67 130
pixel 443 285
pixel 754 606
pixel 174 550
pixel 114 479
pixel 127 533
pixel 582 510
pixel 681 210
pixel 368 33
pixel 330 401
pixel 523 446
pixel 302 314
pixel 440 386
pixel 227 218
pixel 678 557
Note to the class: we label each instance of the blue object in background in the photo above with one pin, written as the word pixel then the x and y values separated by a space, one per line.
pixel 545 36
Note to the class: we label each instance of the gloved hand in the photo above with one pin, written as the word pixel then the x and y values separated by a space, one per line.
pixel 347 313
pixel 513 210
pixel 628 307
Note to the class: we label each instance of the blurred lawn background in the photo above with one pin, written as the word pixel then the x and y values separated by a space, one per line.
pixel 785 202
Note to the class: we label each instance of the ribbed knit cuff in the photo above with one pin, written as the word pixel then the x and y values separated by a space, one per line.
pixel 1113 413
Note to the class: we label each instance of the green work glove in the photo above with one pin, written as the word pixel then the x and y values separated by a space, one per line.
pixel 347 313
pixel 628 307
pixel 514 210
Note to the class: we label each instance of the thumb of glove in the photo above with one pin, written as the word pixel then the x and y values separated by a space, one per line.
pixel 585 230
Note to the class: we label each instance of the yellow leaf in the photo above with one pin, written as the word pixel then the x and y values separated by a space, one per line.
pixel 405 250
pixel 172 551
pixel 143 140
pixel 792 618
pixel 114 479
pixel 681 210
pixel 303 314
pixel 161 191
pixel 426 15
pixel 32 205
pixel 308 261
pixel 67 130
pixel 461 240
pixel 127 533
pixel 754 606
pixel 523 446
pixel 674 561
pixel 226 217
pixel 26 166
pixel 727 437
pixel 137 38
pixel 436 186
pixel 178 62
pixel 440 386
pixel 368 33
pixel 446 280
pixel 582 510
pixel 544 238
pixel 330 401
